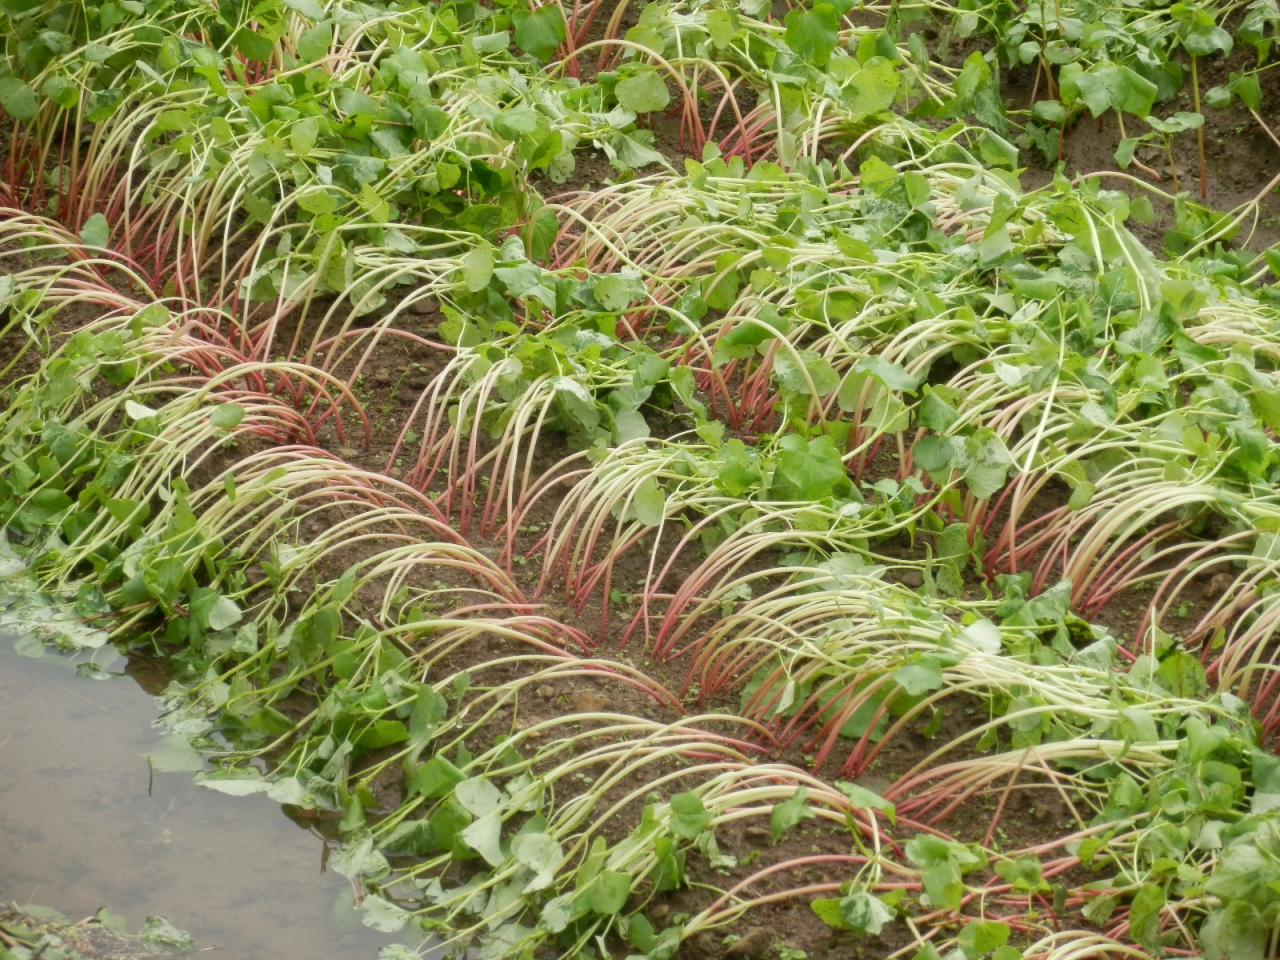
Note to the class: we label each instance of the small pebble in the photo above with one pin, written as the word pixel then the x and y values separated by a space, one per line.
pixel 912 578
pixel 760 836
pixel 425 306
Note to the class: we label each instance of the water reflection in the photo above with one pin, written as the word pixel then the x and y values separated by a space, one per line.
pixel 79 830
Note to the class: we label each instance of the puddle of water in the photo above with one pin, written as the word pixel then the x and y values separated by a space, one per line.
pixel 83 826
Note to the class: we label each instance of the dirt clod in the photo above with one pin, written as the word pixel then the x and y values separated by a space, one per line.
pixel 911 578
pixel 589 702
pixel 1217 585
pixel 754 944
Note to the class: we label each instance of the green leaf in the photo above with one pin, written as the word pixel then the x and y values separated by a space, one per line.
pixel 1049 111
pixel 478 796
pixel 892 375
pixel 617 291
pixel 1202 37
pixel 303 136
pixel 688 816
pixel 980 937
pixel 18 100
pixel 61 91
pixel 477 267
pixel 1144 916
pixel 1023 874
pixel 935 413
pixel 313 44
pixel 864 913
pixel 235 782
pixel 383 915
pixel 253 45
pixel 102 104
pixel 720 289
pixel 1099 909
pixel 1235 933
pixel 919 678
pixel 429 709
pixel 540 853
pixel 381 733
pixel 873 88
pixel 649 503
pixel 783 816
pixel 540 32
pixel 1248 89
pixel 808 470
pixel 738 471
pixel 1242 869
pixel 1182 675
pixel 541 234
pixel 860 911
pixel 994 245
pixel 308 8
pixel 828 911
pixel 609 892
pixel 643 92
pixel 318 203
pixel 163 579
pixel 557 914
pixel 359 858
pixel 226 416
pixel 1111 86
pixel 982 635
pixel 943 865
pixel 943 884
pixel 437 777
pixel 1124 151
pixel 96 231
pixel 813 34
pixel 933 454
pixel 805 372
pixel 410 837
pixel 484 836
pixel 225 613
pixel 862 797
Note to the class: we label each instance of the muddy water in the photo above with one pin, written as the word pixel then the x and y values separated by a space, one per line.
pixel 81 827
